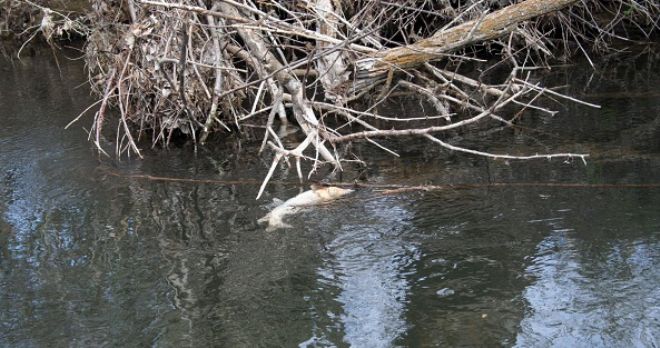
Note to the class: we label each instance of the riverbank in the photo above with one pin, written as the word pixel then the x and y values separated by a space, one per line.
pixel 332 70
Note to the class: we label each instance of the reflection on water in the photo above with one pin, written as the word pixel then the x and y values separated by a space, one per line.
pixel 366 262
pixel 575 301
pixel 92 256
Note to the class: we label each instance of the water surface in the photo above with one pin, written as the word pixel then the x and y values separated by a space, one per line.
pixel 93 253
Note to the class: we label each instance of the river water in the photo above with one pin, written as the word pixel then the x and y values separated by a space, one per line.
pixel 100 252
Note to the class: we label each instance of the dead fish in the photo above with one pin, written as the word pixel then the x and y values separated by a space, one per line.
pixel 317 195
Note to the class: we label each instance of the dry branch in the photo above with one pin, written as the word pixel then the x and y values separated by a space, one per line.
pixel 195 67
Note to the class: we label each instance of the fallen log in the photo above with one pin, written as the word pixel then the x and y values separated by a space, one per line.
pixel 488 27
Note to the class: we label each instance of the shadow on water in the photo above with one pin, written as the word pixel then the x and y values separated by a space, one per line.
pixel 94 253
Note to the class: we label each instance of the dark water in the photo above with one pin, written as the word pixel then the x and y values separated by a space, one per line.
pixel 93 255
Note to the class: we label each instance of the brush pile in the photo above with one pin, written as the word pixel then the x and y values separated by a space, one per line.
pixel 195 67
pixel 24 20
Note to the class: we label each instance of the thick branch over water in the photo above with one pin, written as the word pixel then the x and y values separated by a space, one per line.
pixel 487 27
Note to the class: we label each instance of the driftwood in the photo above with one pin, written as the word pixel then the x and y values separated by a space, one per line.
pixel 197 67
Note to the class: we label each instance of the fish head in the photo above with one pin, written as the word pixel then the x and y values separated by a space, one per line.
pixel 331 192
